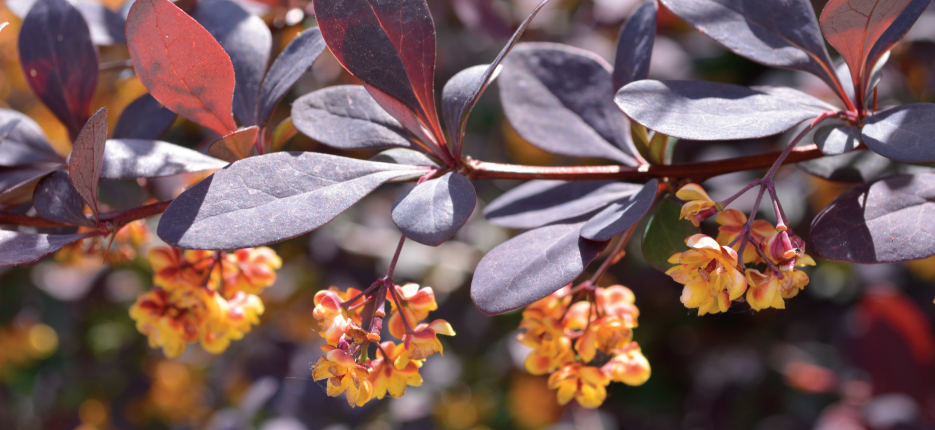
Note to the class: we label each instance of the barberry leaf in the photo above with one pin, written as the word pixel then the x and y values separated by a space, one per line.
pixel 107 27
pixel 282 134
pixel 541 202
pixel 87 159
pixel 860 166
pixel 903 133
pixel 144 118
pixel 433 211
pixel 560 99
pixel 292 63
pixel 461 92
pixel 531 266
pixel 347 117
pixel 270 198
pixel 390 47
pixel 700 110
pixel 26 142
pixel 59 61
pixel 139 158
pixel 774 33
pixel 405 157
pixel 886 221
pixel 235 146
pixel 248 41
pixel 837 139
pixel 665 234
pixel 13 153
pixel 635 45
pixel 188 72
pixel 621 214
pixel 24 248
pixel 18 183
pixel 56 199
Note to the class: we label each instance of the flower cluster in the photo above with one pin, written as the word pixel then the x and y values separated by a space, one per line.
pixel 714 275
pixel 205 296
pixel 346 364
pixel 586 344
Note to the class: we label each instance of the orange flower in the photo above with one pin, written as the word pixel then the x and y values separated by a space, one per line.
pixel 767 290
pixel 585 384
pixel 332 318
pixel 416 303
pixel 175 270
pixel 628 366
pixel 699 206
pixel 617 300
pixel 709 273
pixel 236 317
pixel 606 334
pixel 385 377
pixel 250 270
pixel 546 335
pixel 555 304
pixel 168 324
pixel 344 375
pixel 732 222
pixel 423 342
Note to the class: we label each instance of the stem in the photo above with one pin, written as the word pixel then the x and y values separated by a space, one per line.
pixel 610 258
pixel 361 294
pixel 781 219
pixel 399 308
pixel 745 233
pixel 392 268
pixel 134 214
pixel 731 199
pixel 29 221
pixel 785 153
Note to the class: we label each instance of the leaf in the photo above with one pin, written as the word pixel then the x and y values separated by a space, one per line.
pixel 621 214
pixel 635 45
pixel 283 133
pixel 700 110
pixel 59 61
pixel 248 41
pixel 270 198
pixel 189 72
pixel 347 117
pixel 87 159
pixel 24 248
pixel 665 234
pixel 837 139
pixel 235 146
pixel 774 33
pixel 859 166
pixel 903 133
pixel 28 137
pixel 291 64
pixel 17 183
pixel 892 35
pixel 390 47
pixel 541 202
pixel 406 157
pixel 144 118
pixel 13 153
pixel 560 99
pixel 462 91
pixel 434 210
pixel 106 26
pixel 139 158
pixel 56 199
pixel 886 221
pixel 531 266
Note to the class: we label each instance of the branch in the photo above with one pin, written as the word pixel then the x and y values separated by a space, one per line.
pixel 119 217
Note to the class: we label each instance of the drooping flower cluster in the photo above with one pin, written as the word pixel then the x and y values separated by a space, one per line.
pixel 586 344
pixel 714 275
pixel 346 364
pixel 204 296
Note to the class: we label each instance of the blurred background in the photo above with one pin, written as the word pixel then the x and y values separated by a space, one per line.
pixel 855 350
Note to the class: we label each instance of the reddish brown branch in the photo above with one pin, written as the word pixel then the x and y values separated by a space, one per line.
pixel 134 214
pixel 29 221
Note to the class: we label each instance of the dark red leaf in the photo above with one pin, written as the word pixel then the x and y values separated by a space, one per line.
pixel 56 199
pixel 17 183
pixel 87 159
pixel 181 64
pixel 144 118
pixel 292 63
pixel 235 146
pixel 59 61
pixel 24 248
pixel 635 45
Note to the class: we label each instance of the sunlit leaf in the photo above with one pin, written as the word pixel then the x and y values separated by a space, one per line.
pixel 23 248
pixel 235 146
pixel 56 199
pixel 621 214
pixel 537 203
pixel 904 133
pixel 635 45
pixel 837 139
pixel 138 158
pixel 434 210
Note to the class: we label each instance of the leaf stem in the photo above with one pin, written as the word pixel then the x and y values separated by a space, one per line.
pixel 609 261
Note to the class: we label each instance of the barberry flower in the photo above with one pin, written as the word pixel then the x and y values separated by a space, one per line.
pixel 606 334
pixel 423 342
pixel 168 324
pixel 332 318
pixel 617 300
pixel 709 273
pixel 586 384
pixel 732 222
pixel 344 375
pixel 384 375
pixel 234 320
pixel 546 335
pixel 699 206
pixel 175 269
pixel 416 305
pixel 628 365
pixel 250 270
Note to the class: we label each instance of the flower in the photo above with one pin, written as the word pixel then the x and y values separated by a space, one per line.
pixel 617 300
pixel 250 270
pixel 416 305
pixel 732 222
pixel 344 375
pixel 386 378
pixel 546 335
pixel 768 290
pixel 234 319
pixel 168 323
pixel 699 206
pixel 332 318
pixel 586 384
pixel 177 270
pixel 709 273
pixel 606 334
pixel 628 366
pixel 423 342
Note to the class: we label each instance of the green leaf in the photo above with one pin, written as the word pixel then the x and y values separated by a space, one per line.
pixel 641 141
pixel 665 234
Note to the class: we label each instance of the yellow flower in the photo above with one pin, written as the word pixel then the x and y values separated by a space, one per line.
pixel 167 323
pixel 732 223
pixel 709 273
pixel 344 375
pixel 332 318
pixel 606 334
pixel 699 206
pixel 767 290
pixel 175 270
pixel 423 342
pixel 386 378
pixel 234 319
pixel 628 366
pixel 555 304
pixel 585 384
pixel 546 335
pixel 250 270
pixel 416 303
pixel 617 300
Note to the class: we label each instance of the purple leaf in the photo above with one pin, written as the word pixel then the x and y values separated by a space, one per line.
pixel 537 203
pixel 347 117
pixel 270 198
pixel 774 33
pixel 837 139
pixel 144 118
pixel 24 248
pixel 87 159
pixel 462 91
pixel 17 183
pixel 59 61
pixel 887 221
pixel 531 266
pixel 903 133
pixel 700 110
pixel 859 166
pixel 560 99
pixel 138 158
pixel 406 157
pixel 621 214
pixel 291 64
pixel 235 146
pixel 635 45
pixel 107 26
pixel 893 34
pixel 30 141
pixel 434 210
pixel 247 40
pixel 56 199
